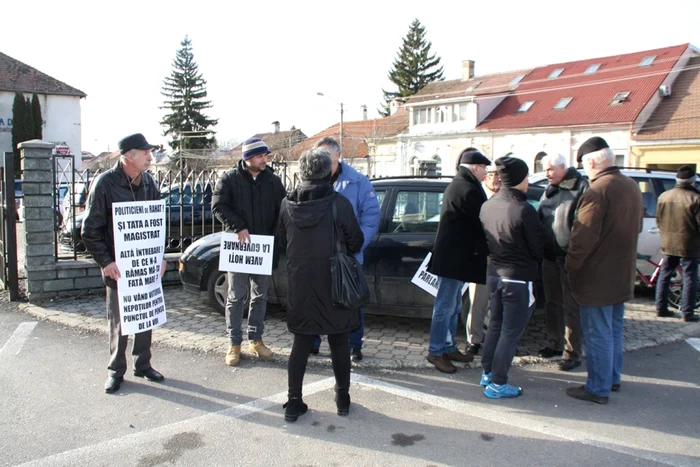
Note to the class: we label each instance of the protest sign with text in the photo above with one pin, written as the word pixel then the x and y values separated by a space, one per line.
pixel 139 247
pixel 250 258
pixel 427 281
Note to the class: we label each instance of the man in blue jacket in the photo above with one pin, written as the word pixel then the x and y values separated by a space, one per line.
pixel 357 188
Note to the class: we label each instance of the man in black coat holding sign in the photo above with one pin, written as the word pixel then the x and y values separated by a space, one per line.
pixel 247 201
pixel 127 181
pixel 459 256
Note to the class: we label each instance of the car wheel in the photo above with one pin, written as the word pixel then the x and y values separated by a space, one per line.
pixel 217 289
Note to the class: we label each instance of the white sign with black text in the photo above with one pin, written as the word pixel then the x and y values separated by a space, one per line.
pixel 139 247
pixel 427 281
pixel 254 257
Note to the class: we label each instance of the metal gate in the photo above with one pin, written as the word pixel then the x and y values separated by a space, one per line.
pixel 8 229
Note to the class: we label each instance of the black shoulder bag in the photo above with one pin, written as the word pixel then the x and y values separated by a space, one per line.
pixel 349 288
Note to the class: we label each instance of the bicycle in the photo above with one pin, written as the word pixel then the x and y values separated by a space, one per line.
pixel 675 288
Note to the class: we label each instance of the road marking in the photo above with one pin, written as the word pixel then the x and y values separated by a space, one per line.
pixel 511 419
pixel 14 344
pixel 87 454
pixel 694 343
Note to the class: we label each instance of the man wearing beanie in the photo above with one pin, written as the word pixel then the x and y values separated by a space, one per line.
pixel 515 242
pixel 601 265
pixel 678 219
pixel 247 201
pixel 459 256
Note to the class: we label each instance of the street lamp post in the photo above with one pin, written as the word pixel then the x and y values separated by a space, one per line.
pixel 340 143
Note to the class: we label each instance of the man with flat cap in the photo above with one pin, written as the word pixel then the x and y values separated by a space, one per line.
pixel 127 181
pixel 601 265
pixel 515 243
pixel 459 256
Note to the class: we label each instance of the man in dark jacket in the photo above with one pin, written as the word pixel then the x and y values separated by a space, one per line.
pixel 601 265
pixel 247 201
pixel 127 181
pixel 678 219
pixel 515 243
pixel 557 212
pixel 459 256
pixel 307 228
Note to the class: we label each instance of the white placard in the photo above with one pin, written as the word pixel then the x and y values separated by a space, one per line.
pixel 139 247
pixel 249 258
pixel 427 281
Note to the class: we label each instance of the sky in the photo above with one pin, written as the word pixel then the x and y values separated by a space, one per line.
pixel 266 61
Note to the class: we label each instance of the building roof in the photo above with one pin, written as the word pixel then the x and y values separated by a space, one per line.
pixel 590 93
pixel 478 86
pixel 678 115
pixel 357 133
pixel 280 143
pixel 16 76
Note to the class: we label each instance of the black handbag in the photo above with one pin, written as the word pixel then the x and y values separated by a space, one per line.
pixel 349 288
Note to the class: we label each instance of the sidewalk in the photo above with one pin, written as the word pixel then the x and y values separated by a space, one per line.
pixel 389 342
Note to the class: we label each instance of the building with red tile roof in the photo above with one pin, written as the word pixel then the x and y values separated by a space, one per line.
pixel 552 108
pixel 671 137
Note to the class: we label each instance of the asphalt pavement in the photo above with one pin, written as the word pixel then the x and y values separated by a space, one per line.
pixel 55 412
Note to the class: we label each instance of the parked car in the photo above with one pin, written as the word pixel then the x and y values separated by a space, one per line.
pixel 196 219
pixel 652 183
pixel 410 213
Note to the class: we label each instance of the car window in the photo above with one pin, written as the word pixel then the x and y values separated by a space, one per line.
pixel 416 212
pixel 380 198
pixel 534 194
pixel 648 195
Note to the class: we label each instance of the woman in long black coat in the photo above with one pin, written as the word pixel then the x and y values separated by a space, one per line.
pixel 306 227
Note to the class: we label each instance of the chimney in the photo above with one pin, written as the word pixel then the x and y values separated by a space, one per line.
pixel 275 127
pixel 364 112
pixel 395 105
pixel 467 69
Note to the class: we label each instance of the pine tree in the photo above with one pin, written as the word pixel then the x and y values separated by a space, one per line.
pixel 413 68
pixel 185 92
pixel 21 125
pixel 37 120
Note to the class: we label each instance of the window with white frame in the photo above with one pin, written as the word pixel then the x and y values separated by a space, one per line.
pixel 421 116
pixel 561 105
pixel 592 69
pixel 525 106
pixel 442 114
pixel 555 73
pixel 619 98
pixel 647 61
pixel 516 80
pixel 459 112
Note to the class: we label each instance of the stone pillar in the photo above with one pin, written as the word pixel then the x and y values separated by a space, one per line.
pixel 40 237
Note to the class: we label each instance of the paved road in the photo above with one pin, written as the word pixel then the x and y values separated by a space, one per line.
pixel 54 411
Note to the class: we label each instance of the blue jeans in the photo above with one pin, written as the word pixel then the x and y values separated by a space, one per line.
pixel 602 333
pixel 443 327
pixel 690 283
pixel 354 337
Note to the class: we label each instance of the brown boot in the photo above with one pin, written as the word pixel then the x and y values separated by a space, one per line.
pixel 259 349
pixel 458 356
pixel 233 357
pixel 442 363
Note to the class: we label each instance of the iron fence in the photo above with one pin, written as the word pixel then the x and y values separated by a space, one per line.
pixel 187 196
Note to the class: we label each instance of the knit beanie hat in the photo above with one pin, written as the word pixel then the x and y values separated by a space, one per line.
pixel 511 170
pixel 254 147
pixel 315 164
pixel 593 144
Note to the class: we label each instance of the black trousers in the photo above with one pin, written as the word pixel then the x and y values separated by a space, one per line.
pixel 340 356
pixel 512 305
pixel 117 343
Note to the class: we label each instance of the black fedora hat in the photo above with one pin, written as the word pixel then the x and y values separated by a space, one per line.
pixel 135 141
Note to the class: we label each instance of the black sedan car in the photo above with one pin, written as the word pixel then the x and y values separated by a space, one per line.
pixel 410 212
